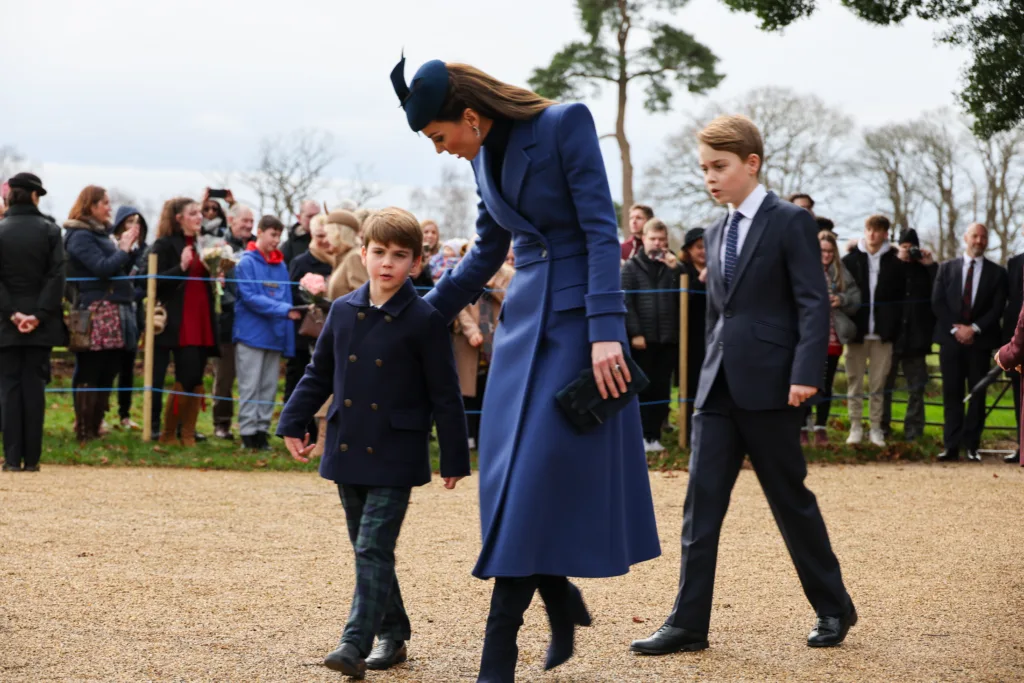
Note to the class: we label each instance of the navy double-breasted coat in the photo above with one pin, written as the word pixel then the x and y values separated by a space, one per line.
pixel 552 501
pixel 391 370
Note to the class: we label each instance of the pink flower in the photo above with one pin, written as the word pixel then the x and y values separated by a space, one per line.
pixel 313 283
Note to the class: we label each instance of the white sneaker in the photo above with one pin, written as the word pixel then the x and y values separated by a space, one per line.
pixel 877 438
pixel 472 444
pixel 856 434
pixel 653 446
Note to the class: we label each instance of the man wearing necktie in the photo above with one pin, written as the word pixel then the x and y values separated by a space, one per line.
pixel 768 329
pixel 968 300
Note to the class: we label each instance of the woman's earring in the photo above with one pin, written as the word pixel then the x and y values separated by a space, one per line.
pixel 476 130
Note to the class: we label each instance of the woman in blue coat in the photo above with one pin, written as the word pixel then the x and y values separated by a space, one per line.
pixel 553 502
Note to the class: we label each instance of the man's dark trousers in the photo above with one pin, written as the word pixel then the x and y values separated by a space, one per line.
pixel 24 371
pixel 722 433
pixel 915 372
pixel 962 367
pixel 374 516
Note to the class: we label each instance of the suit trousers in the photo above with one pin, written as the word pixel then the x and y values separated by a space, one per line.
pixel 915 372
pixel 374 516
pixel 24 371
pixel 722 433
pixel 259 370
pixel 962 367
pixel 876 356
pixel 224 385
pixel 657 361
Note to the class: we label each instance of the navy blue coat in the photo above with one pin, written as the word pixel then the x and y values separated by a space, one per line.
pixel 552 501
pixel 390 369
pixel 770 329
pixel 92 254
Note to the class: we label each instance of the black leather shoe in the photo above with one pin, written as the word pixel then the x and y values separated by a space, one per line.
pixel 949 455
pixel 263 442
pixel 563 628
pixel 386 653
pixel 973 456
pixel 1012 459
pixel 669 639
pixel 346 659
pixel 831 631
pixel 11 468
pixel 31 468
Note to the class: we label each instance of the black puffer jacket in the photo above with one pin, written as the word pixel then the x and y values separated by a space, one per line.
pixel 654 316
pixel 918 322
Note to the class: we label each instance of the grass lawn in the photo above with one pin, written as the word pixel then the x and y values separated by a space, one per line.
pixel 127 449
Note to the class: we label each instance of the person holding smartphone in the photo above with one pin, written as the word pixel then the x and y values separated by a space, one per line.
pixel 651 280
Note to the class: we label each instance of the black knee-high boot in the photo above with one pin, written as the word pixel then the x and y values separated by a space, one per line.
pixel 509 601
pixel 566 611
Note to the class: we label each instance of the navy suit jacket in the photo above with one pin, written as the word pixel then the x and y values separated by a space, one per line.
pixel 770 329
pixel 986 310
pixel 390 369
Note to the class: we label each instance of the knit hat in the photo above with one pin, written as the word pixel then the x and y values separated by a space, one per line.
pixel 909 235
pixel 692 236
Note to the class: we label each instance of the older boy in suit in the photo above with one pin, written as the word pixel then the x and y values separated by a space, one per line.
pixel 386 356
pixel 768 322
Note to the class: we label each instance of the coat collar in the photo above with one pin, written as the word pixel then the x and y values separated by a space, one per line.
pixel 23 210
pixel 514 170
pixel 394 306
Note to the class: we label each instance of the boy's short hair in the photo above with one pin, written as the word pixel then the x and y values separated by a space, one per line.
pixel 655 225
pixel 647 211
pixel 800 195
pixel 877 222
pixel 269 223
pixel 825 223
pixel 394 226
pixel 734 133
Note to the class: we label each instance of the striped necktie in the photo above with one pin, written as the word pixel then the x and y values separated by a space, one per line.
pixel 731 241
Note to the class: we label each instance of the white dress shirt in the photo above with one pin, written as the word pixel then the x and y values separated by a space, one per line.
pixel 749 209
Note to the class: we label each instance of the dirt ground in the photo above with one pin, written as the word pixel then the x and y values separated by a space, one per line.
pixel 179 575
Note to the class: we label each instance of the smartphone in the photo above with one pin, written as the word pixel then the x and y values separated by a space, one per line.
pixel 655 254
pixel 218 194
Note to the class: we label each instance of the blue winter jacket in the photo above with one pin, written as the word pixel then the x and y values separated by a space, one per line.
pixel 261 307
pixel 94 256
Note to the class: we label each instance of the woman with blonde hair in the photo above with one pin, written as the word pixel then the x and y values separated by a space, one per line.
pixel 431 239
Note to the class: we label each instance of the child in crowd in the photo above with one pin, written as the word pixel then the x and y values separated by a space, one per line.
pixel 386 356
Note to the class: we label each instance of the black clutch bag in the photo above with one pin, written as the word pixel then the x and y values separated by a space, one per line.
pixel 583 405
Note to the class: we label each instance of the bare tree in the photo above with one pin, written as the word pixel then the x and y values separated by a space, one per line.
pixel 889 167
pixel 1001 194
pixel 289 169
pixel 362 190
pixel 807 149
pixel 941 153
pixel 451 203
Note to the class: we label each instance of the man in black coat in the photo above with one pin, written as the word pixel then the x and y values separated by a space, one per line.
pixel 298 235
pixel 1014 303
pixel 31 323
pixel 652 324
pixel 914 338
pixel 968 300
pixel 878 272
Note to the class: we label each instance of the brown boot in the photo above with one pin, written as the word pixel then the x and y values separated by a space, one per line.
pixel 190 415
pixel 81 412
pixel 173 406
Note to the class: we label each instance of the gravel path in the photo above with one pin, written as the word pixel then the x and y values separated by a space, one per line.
pixel 178 575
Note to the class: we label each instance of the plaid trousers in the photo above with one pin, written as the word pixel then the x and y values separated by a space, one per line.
pixel 374 515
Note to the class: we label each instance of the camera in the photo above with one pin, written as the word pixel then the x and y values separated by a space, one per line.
pixel 915 253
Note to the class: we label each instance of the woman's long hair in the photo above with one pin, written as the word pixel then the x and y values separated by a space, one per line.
pixel 471 88
pixel 87 198
pixel 169 224
pixel 835 273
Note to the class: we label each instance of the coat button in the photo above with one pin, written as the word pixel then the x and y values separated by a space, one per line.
pixel 379 362
pixel 343 447
pixel 361 315
pixel 544 253
pixel 352 358
pixel 388 318
pixel 369 450
pixel 348 403
pixel 373 406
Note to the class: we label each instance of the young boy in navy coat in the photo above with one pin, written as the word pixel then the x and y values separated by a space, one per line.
pixel 386 356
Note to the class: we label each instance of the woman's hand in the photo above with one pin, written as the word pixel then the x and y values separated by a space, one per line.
pixel 187 254
pixel 128 238
pixel 610 369
pixel 835 301
pixel 476 339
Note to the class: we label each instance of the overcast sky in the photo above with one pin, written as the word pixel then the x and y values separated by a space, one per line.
pixel 154 97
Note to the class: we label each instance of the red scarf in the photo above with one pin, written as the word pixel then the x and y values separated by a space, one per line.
pixel 273 258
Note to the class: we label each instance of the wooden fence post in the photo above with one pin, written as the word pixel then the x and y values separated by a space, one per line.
pixel 147 365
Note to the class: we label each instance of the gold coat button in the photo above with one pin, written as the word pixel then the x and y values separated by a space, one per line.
pixel 369 450
pixel 387 318
pixel 348 403
pixel 379 362
pixel 343 447
pixel 361 315
pixel 373 406
pixel 352 358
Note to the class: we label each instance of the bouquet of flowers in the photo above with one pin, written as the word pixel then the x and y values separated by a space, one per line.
pixel 217 255
pixel 312 287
